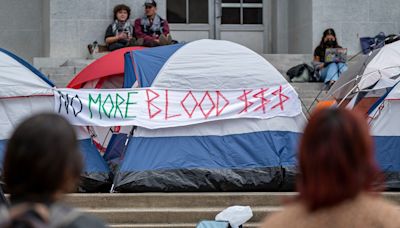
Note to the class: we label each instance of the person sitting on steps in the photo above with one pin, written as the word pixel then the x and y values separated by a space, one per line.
pixel 329 72
pixel 120 33
pixel 152 28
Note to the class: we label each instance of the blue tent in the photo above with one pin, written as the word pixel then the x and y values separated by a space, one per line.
pixel 228 155
pixel 25 91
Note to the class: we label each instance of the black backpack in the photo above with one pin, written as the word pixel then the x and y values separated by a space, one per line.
pixel 301 73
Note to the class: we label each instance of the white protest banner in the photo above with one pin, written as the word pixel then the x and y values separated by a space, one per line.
pixel 161 108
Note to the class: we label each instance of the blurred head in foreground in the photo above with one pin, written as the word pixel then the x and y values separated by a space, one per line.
pixel 336 159
pixel 42 160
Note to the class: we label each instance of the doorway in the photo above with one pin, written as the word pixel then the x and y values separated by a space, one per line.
pixel 240 21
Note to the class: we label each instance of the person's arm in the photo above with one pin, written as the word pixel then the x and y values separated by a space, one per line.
pixel 165 28
pixel 110 38
pixel 139 33
pixel 317 60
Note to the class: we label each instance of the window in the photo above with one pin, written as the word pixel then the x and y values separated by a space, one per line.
pixel 242 12
pixel 187 11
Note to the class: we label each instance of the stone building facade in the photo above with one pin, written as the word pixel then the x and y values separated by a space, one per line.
pixel 63 28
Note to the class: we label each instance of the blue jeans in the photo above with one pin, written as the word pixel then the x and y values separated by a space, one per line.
pixel 332 72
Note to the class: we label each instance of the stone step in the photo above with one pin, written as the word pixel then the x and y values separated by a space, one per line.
pixel 78 62
pixel 283 62
pixel 172 200
pixel 49 71
pixel 298 86
pixel 169 215
pixel 174 225
pixel 61 80
pixel 179 210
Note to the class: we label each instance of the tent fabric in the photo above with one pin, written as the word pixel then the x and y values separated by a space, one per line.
pixel 213 152
pixel 347 80
pixel 385 129
pixel 19 78
pixel 232 155
pixel 97 176
pixel 380 69
pixel 148 62
pixel 25 91
pixel 27 65
pixel 216 64
pixel 109 65
pixel 384 65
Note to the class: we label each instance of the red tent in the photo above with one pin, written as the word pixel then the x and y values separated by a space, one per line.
pixel 109 65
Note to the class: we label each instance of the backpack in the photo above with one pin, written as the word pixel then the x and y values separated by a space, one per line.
pixel 369 44
pixel 301 73
pixel 36 215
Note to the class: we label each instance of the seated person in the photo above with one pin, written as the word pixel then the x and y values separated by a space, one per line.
pixel 42 162
pixel 120 33
pixel 329 72
pixel 152 28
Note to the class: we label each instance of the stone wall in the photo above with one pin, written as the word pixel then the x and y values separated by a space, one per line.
pixel 300 27
pixel 353 19
pixel 21 27
pixel 76 23
pixel 63 28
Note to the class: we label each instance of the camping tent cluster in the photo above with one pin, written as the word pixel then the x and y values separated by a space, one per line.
pixel 372 86
pixel 25 91
pixel 229 155
pixel 225 155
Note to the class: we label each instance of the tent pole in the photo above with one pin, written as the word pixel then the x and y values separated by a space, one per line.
pixel 131 133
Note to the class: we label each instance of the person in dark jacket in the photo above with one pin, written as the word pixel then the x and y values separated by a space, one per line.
pixel 42 162
pixel 329 72
pixel 153 29
pixel 120 33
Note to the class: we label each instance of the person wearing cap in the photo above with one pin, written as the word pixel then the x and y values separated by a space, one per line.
pixel 120 33
pixel 153 29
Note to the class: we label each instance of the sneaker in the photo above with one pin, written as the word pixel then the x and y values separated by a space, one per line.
pixel 165 40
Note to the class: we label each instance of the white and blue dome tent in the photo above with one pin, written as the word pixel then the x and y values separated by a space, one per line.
pixel 25 91
pixel 225 155
pixel 375 92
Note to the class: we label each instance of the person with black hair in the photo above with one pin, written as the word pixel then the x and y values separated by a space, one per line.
pixel 42 162
pixel 329 71
pixel 153 29
pixel 120 33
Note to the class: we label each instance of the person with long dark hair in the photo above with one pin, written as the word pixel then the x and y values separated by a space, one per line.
pixel 42 162
pixel 339 180
pixel 329 71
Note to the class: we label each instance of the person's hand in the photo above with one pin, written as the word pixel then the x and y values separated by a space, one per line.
pixel 157 41
pixel 122 36
pixel 320 66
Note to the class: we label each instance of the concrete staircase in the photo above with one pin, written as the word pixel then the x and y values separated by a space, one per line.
pixel 178 210
pixel 61 71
